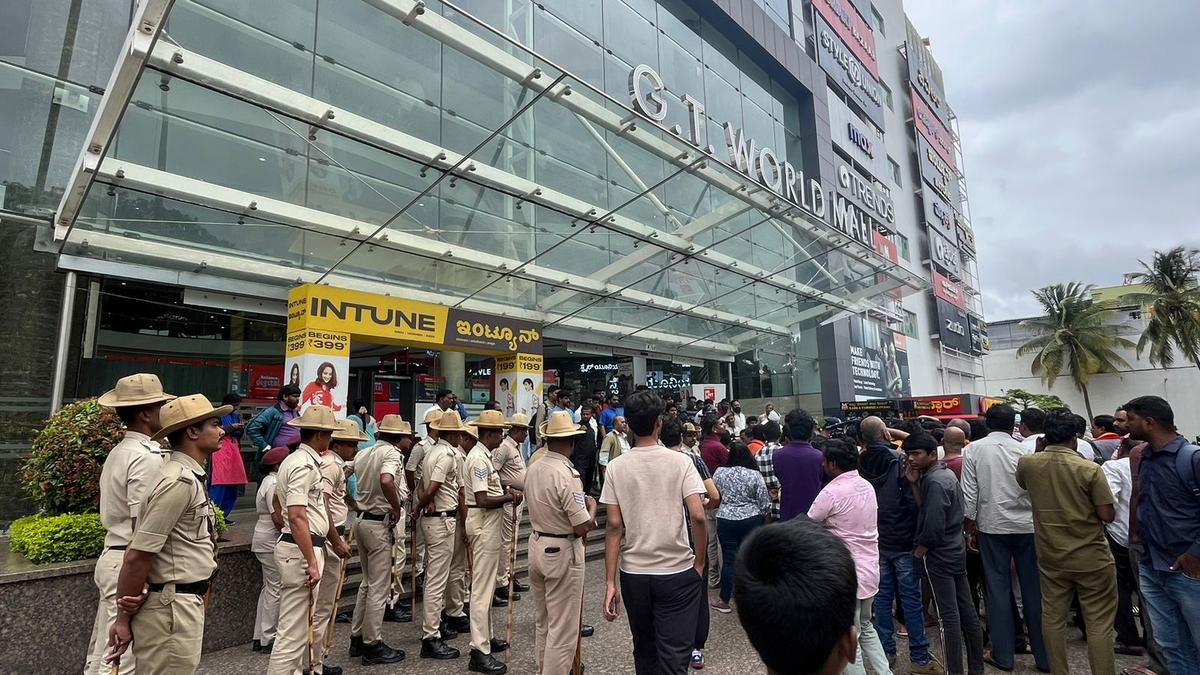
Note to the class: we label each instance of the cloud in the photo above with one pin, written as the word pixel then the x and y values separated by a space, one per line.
pixel 1080 125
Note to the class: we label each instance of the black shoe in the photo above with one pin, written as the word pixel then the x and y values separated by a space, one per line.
pixel 586 631
pixel 502 593
pixel 498 601
pixel 356 646
pixel 486 663
pixel 376 653
pixel 447 632
pixel 520 587
pixel 327 669
pixel 499 645
pixel 255 646
pixel 266 649
pixel 397 614
pixel 1128 650
pixel 344 617
pixel 436 649
pixel 459 624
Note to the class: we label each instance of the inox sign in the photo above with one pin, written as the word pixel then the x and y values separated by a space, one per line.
pixel 759 163
pixel 861 140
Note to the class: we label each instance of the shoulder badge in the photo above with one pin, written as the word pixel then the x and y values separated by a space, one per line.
pixel 580 499
pixel 480 472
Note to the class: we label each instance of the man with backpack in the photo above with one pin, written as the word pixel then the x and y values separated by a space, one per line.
pixel 1166 517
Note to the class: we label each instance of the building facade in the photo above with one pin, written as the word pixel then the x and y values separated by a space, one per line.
pixel 759 199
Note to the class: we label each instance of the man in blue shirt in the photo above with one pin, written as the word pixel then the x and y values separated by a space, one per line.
pixel 564 405
pixel 611 412
pixel 1167 520
pixel 799 466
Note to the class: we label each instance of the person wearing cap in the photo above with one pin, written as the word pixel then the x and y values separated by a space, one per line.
pixel 412 473
pixel 436 514
pixel 458 583
pixel 560 514
pixel 128 470
pixel 262 545
pixel 691 439
pixel 511 466
pixel 343 445
pixel 381 495
pixel 399 610
pixel 300 551
pixel 486 499
pixel 173 553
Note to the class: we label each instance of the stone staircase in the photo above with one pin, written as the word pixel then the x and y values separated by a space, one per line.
pixel 594 550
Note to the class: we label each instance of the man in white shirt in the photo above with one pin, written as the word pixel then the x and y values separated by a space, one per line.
pixel 739 418
pixel 999 510
pixel 1032 421
pixel 771 415
pixel 1120 481
pixel 443 401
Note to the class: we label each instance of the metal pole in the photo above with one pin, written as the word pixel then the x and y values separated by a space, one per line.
pixel 63 347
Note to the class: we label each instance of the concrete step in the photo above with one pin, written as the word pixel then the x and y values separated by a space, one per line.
pixel 593 550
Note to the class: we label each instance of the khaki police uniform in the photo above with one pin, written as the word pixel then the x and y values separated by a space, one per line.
pixel 374 540
pixel 129 470
pixel 333 488
pixel 554 493
pixel 511 466
pixel 298 484
pixel 483 536
pixel 439 529
pixel 416 458
pixel 176 523
pixel 459 582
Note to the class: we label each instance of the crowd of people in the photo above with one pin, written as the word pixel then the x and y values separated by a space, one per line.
pixel 995 533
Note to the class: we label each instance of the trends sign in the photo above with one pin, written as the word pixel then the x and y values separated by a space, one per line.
pixel 759 163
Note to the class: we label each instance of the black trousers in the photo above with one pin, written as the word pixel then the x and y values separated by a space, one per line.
pixel 586 466
pixel 1126 625
pixel 958 620
pixel 662 618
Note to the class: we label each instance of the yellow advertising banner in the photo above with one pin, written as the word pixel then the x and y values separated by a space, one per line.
pixel 311 341
pixel 366 315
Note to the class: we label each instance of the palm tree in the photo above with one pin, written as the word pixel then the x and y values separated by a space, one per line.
pixel 1073 338
pixel 1172 296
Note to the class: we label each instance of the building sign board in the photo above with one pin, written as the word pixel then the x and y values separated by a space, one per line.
pixel 945 254
pixel 836 59
pixel 860 141
pixel 939 175
pixel 948 290
pixel 952 330
pixel 929 126
pixel 878 362
pixel 859 209
pixel 844 19
pixel 978 331
pixel 925 74
pixel 966 238
pixel 939 215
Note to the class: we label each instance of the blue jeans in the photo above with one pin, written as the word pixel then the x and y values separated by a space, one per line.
pixel 998 551
pixel 896 574
pixel 224 496
pixel 731 533
pixel 1174 604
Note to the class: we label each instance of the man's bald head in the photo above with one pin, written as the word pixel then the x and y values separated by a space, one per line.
pixel 872 429
pixel 959 423
pixel 953 440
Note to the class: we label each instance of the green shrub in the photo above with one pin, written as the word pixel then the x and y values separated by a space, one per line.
pixel 62 473
pixel 57 539
pixel 220 517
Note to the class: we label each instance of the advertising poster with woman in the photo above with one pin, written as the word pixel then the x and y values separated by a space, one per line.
pixel 519 383
pixel 321 363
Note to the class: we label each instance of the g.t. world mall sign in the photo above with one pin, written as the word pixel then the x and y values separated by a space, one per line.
pixel 759 163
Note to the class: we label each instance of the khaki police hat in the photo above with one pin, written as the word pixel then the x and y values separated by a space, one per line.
pixel 348 431
pixel 471 430
pixel 185 411
pixel 490 419
pixel 315 417
pixel 690 428
pixel 519 421
pixel 139 389
pixel 432 415
pixel 560 425
pixel 449 421
pixel 394 424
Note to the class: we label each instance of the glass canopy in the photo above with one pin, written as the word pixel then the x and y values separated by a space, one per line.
pixel 409 148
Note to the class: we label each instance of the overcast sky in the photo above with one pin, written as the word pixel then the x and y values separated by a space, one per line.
pixel 1080 125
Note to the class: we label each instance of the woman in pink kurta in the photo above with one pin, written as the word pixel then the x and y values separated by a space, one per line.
pixel 228 470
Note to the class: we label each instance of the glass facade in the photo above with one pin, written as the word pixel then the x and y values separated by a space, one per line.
pixel 482 154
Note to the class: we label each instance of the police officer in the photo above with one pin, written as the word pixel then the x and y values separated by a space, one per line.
pixel 381 495
pixel 128 470
pixel 342 447
pixel 436 514
pixel 486 499
pixel 412 472
pixel 398 609
pixel 299 553
pixel 511 467
pixel 560 514
pixel 174 548
pixel 458 585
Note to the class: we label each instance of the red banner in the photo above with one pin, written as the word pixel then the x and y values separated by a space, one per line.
pixel 929 126
pixel 264 381
pixel 850 27
pixel 948 290
pixel 937 406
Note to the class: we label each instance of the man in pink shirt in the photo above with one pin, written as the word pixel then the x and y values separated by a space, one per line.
pixel 848 508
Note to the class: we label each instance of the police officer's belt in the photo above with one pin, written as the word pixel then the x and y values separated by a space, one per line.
pixel 441 514
pixel 196 588
pixel 374 516
pixel 122 547
pixel 555 535
pixel 317 540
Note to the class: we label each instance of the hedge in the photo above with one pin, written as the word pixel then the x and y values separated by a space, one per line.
pixel 62 472
pixel 57 539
